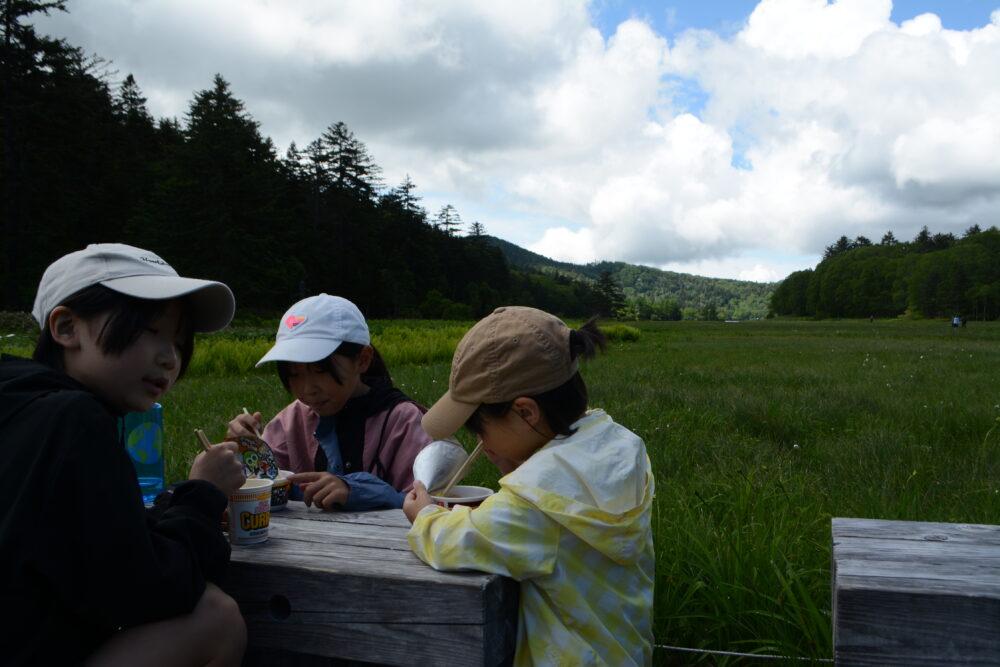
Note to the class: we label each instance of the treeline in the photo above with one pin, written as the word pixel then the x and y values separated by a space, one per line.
pixel 84 161
pixel 647 293
pixel 935 275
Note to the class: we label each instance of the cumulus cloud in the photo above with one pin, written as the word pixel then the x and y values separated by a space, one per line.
pixel 739 155
pixel 849 123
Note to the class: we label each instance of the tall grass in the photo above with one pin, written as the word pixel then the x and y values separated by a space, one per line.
pixel 759 433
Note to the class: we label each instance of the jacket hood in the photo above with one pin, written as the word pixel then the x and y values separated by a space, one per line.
pixel 598 484
pixel 24 380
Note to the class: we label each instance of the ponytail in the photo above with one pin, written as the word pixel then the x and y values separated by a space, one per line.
pixel 587 341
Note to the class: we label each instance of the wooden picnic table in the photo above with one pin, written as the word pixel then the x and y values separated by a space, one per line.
pixel 346 585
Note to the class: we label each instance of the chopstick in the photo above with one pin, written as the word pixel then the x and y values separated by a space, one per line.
pixel 255 430
pixel 461 471
pixel 203 439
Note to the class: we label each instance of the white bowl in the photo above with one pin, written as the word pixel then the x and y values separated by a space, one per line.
pixel 464 495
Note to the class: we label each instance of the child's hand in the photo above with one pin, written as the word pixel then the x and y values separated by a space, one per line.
pixel 245 426
pixel 220 465
pixel 416 500
pixel 321 489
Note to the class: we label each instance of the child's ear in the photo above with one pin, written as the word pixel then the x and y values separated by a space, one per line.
pixel 529 410
pixel 64 326
pixel 365 358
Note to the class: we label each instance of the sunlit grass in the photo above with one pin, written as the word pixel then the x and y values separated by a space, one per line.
pixel 759 433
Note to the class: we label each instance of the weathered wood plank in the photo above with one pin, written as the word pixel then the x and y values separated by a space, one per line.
pixel 349 587
pixel 915 593
pixel 298 510
pixel 334 559
pixel 919 531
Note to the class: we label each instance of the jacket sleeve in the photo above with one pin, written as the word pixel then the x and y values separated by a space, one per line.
pixel 505 535
pixel 107 558
pixel 404 438
pixel 368 492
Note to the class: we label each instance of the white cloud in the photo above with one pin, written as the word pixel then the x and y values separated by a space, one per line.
pixel 565 244
pixel 796 29
pixel 955 154
pixel 523 116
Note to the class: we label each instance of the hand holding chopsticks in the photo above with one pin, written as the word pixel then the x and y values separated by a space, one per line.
pixel 203 439
pixel 220 464
pixel 256 430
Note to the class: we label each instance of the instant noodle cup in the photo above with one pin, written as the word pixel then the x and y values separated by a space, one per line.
pixel 250 511
pixel 280 490
pixel 463 495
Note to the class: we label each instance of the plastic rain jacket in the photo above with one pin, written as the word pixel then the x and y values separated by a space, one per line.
pixel 572 524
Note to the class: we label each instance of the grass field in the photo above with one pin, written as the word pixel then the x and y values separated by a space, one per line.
pixel 759 433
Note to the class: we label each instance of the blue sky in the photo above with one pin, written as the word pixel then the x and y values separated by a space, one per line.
pixel 724 138
pixel 726 17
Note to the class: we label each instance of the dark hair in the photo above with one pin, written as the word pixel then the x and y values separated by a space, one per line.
pixel 563 405
pixel 129 317
pixel 376 369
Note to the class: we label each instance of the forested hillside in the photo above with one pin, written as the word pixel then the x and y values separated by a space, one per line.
pixel 655 294
pixel 935 275
pixel 84 161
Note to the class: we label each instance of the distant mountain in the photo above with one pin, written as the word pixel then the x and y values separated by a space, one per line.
pixel 733 299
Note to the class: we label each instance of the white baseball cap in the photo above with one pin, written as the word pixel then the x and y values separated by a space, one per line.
pixel 135 272
pixel 316 326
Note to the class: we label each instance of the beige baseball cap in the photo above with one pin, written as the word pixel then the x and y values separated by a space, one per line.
pixel 514 351
pixel 135 272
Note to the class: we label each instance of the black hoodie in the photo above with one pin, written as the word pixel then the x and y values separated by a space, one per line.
pixel 80 554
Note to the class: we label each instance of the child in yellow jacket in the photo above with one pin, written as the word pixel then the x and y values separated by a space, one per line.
pixel 571 520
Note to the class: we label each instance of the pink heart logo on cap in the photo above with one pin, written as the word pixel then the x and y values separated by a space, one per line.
pixel 293 321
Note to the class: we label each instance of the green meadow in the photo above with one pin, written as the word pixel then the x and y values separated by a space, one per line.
pixel 759 433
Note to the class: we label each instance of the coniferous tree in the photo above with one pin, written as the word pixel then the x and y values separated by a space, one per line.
pixel 843 244
pixel 477 230
pixel 52 171
pixel 408 199
pixel 348 162
pixel 220 196
pixel 612 297
pixel 448 220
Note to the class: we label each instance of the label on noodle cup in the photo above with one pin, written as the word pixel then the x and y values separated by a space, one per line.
pixel 250 512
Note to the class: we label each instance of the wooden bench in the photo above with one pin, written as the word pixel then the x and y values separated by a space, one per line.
pixel 346 585
pixel 915 593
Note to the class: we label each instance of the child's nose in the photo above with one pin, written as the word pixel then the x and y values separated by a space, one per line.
pixel 168 356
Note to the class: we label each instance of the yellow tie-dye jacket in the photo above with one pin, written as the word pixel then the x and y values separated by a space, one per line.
pixel 572 524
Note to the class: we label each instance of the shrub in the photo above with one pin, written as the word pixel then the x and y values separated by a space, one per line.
pixel 18 322
pixel 621 333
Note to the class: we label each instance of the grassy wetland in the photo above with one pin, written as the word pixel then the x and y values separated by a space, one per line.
pixel 759 433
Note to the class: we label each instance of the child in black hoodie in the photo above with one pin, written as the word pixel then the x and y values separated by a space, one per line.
pixel 91 575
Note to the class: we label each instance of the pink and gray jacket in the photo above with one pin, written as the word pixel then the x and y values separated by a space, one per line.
pixel 393 434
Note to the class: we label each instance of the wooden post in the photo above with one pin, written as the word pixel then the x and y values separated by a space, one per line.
pixel 915 593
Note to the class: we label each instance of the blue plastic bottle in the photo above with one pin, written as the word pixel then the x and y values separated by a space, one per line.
pixel 144 443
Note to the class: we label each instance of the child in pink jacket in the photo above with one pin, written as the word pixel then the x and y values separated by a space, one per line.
pixel 350 436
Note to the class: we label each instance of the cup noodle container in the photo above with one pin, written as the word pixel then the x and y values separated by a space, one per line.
pixel 250 512
pixel 280 489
